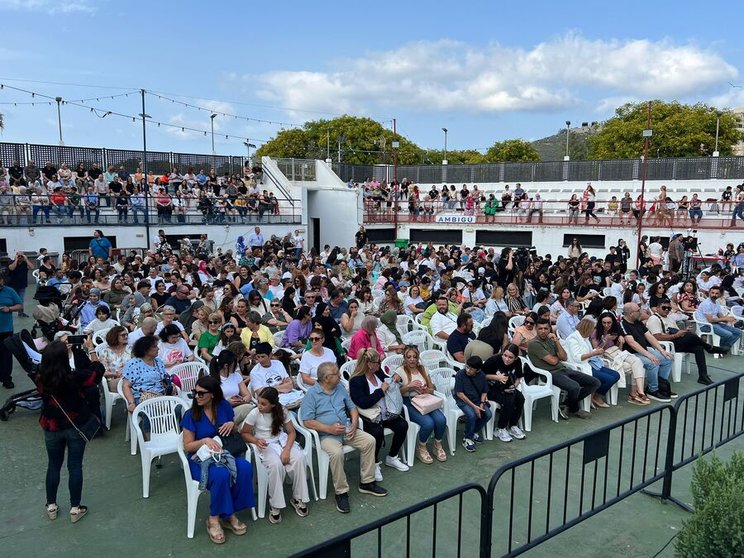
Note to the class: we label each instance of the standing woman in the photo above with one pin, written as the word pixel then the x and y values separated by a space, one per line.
pixel 210 415
pixel 64 411
pixel 590 198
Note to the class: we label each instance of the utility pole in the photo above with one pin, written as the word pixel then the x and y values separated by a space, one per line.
pixel 396 190
pixel 59 119
pixel 146 189
pixel 647 133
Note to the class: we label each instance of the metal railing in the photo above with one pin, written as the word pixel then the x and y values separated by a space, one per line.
pixel 297 169
pixel 687 168
pixel 32 210
pixel 546 493
pixel 433 527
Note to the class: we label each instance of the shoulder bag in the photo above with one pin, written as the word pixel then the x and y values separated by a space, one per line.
pixel 88 430
pixel 426 403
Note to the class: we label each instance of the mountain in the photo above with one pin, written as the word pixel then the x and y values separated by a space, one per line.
pixel 553 148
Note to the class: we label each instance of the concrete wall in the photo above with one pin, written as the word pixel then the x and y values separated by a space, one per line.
pixel 339 212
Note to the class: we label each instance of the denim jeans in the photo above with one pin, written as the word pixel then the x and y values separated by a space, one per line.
pixel 654 371
pixel 738 212
pixel 728 334
pixel 474 424
pixel 55 446
pixel 607 377
pixel 434 421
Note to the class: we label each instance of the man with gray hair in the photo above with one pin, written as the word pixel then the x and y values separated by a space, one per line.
pixel 328 409
pixel 148 327
pixel 568 320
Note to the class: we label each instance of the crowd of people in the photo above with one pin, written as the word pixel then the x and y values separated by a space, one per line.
pixel 379 197
pixel 296 340
pixel 61 195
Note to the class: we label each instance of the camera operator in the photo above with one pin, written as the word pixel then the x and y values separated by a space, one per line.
pixel 82 357
pixel 18 276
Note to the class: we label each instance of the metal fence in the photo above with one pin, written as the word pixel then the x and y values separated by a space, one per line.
pixel 434 527
pixel 157 161
pixel 689 168
pixel 297 169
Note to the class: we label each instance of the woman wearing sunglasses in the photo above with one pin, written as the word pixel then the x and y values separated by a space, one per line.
pixel 208 339
pixel 526 332
pixel 314 357
pixel 211 415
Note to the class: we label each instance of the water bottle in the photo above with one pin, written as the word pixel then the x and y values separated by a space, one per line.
pixel 348 426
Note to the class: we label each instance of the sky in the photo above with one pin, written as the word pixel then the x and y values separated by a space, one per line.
pixel 485 70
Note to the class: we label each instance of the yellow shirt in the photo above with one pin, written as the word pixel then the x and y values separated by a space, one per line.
pixel 264 336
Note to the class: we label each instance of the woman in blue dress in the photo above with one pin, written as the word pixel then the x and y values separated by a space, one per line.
pixel 211 415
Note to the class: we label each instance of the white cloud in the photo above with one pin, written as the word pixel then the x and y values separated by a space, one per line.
pixel 50 7
pixel 447 75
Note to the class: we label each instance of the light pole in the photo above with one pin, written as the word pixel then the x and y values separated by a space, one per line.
pixel 566 157
pixel 211 119
pixel 718 126
pixel 444 161
pixel 248 145
pixel 59 119
pixel 146 189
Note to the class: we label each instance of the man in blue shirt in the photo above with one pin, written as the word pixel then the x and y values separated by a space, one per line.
pixel 256 239
pixel 99 246
pixel 10 302
pixel 459 339
pixel 328 409
pixel 568 320
pixel 711 312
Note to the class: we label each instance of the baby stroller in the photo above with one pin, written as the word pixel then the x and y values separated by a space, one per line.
pixel 22 347
pixel 49 313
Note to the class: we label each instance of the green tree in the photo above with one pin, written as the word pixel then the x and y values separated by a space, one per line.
pixel 454 157
pixel 361 141
pixel 515 150
pixel 678 131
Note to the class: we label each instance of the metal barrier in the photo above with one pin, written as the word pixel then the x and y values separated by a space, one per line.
pixel 407 532
pixel 537 497
pixel 703 421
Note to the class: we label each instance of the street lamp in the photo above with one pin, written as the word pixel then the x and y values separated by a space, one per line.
pixel 444 161
pixel 718 126
pixel 248 145
pixel 566 157
pixel 211 119
pixel 59 119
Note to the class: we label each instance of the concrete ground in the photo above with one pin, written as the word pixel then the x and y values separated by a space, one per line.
pixel 120 522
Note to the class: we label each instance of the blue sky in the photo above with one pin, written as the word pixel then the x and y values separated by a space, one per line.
pixel 486 71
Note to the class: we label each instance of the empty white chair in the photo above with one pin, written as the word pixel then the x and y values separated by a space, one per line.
pixel 161 412
pixel 99 337
pixel 451 410
pixel 405 323
pixel 278 336
pixel 109 400
pixel 188 373
pixel 433 358
pixel 417 337
pixel 347 368
pixel 533 392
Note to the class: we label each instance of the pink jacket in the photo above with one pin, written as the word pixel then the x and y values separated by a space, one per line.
pixel 360 340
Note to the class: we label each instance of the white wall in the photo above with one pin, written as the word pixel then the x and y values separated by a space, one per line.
pixel 339 212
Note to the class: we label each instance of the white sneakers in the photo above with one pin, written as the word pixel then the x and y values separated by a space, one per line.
pixel 396 463
pixel 378 473
pixel 507 435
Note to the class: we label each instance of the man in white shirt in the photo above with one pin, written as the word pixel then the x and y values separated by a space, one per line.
pixel 299 241
pixel 711 312
pixel 147 328
pixel 705 280
pixel 443 322
pixel 256 239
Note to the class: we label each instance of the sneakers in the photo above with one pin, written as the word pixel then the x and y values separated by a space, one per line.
pixel 517 433
pixel 342 502
pixel 469 445
pixel 8 384
pixel 477 438
pixel 396 463
pixel 582 414
pixel 658 396
pixel 503 435
pixel 378 473
pixel 275 516
pixel 563 412
pixel 372 488
pixel 299 507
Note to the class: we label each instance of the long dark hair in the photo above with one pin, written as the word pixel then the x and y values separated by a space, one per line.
pixel 277 411
pixel 494 332
pixel 54 367
pixel 225 358
pixel 212 385
pixel 614 328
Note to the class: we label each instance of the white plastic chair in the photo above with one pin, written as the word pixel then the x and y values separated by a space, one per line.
pixel 129 435
pixel 324 462
pixel 99 337
pixel 586 368
pixel 109 400
pixel 433 358
pixel 514 323
pixel 405 323
pixel 300 384
pixel 679 359
pixel 704 329
pixel 411 437
pixel 35 274
pixel 347 368
pixel 278 336
pixel 192 490
pixel 391 363
pixel 533 392
pixel 262 476
pixel 189 373
pixel 164 432
pixel 451 411
pixel 417 337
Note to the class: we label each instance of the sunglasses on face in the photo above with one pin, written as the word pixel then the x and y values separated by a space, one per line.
pixel 529 323
pixel 214 322
pixel 199 393
pixel 665 307
pixel 315 339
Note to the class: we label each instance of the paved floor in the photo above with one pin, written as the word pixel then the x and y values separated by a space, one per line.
pixel 121 522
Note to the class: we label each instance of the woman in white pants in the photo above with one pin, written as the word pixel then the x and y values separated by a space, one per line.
pixel 270 428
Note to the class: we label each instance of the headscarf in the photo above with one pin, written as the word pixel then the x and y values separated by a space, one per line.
pixel 390 319
pixel 240 246
pixel 331 330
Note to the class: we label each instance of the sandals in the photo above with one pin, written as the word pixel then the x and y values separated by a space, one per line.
pixel 52 510
pixel 215 532
pixel 77 513
pixel 439 452
pixel 638 399
pixel 235 525
pixel 423 454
